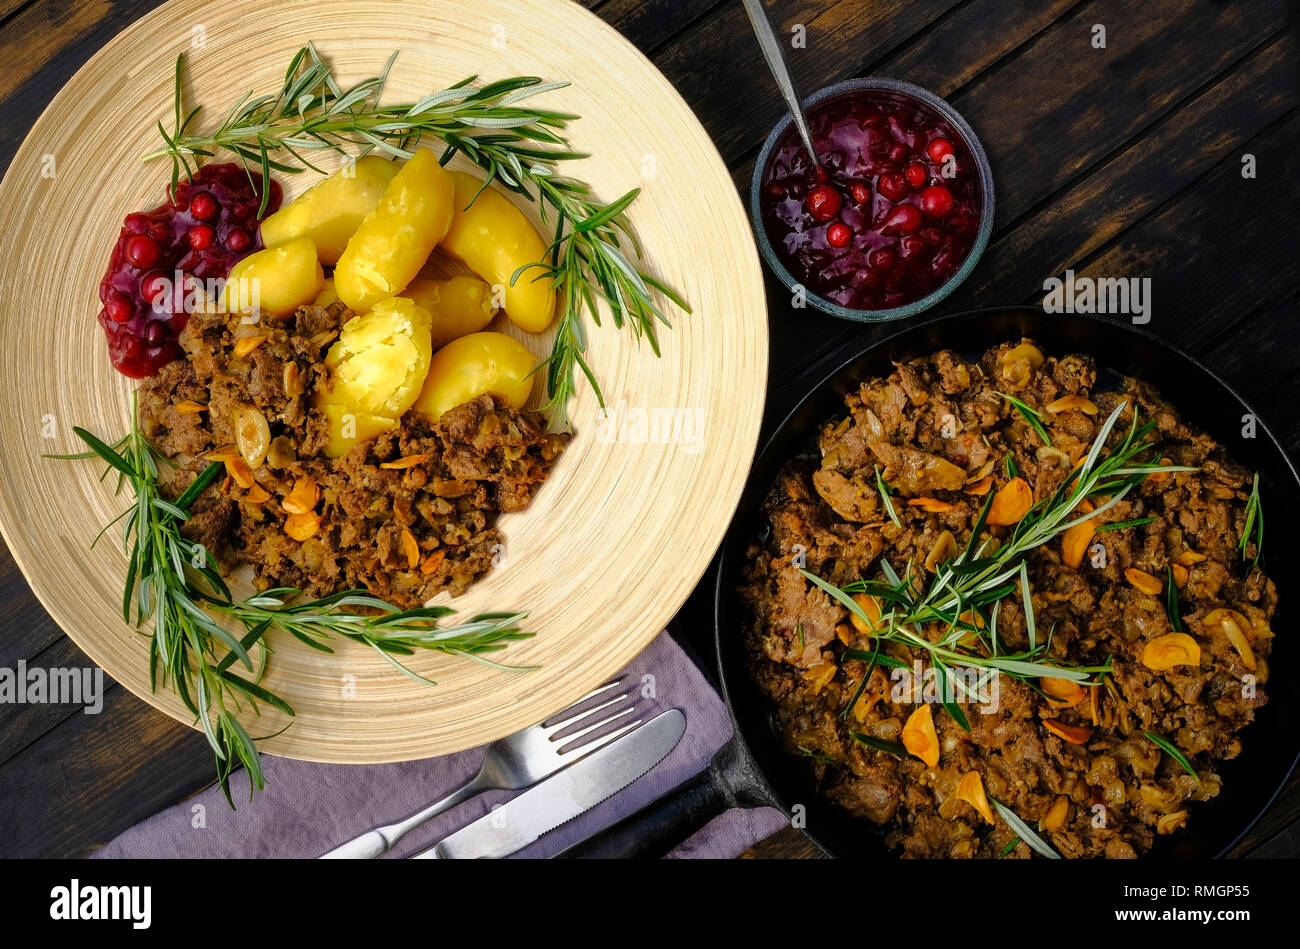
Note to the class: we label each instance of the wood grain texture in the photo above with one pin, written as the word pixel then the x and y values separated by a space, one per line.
pixel 979 52
pixel 618 536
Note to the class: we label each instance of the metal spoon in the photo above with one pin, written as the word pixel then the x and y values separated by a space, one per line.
pixel 771 47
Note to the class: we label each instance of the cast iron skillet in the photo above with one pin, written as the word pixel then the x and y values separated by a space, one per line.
pixel 752 769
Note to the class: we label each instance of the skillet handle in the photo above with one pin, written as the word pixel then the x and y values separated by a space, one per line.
pixel 659 826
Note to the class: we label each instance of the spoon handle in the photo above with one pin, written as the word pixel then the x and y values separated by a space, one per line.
pixel 771 48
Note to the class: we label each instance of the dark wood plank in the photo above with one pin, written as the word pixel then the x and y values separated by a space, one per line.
pixel 1199 275
pixel 20 725
pixel 27 627
pixel 1174 154
pixel 651 23
pixel 1058 107
pixel 1259 352
pixel 722 74
pixel 77 787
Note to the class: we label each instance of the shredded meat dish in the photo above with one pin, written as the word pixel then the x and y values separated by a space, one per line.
pixel 1080 763
pixel 405 516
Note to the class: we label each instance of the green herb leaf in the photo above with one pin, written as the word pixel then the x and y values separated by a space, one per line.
pixel 1025 832
pixel 1169 748
pixel 894 748
pixel 1171 601
pixel 1031 416
pixel 885 493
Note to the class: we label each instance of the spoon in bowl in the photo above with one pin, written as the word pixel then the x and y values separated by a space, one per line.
pixel 771 48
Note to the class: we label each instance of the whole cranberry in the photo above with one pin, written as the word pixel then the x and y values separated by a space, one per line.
pixel 823 202
pixel 936 201
pixel 154 287
pixel 238 240
pixel 142 251
pixel 939 150
pixel 861 193
pixel 203 206
pixel 118 307
pixel 200 237
pixel 839 235
pixel 883 259
pixel 154 333
pixel 916 175
pixel 904 219
pixel 893 186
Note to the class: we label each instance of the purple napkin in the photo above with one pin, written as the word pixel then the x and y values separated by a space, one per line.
pixel 309 808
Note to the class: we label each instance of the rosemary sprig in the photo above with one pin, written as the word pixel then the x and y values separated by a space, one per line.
pixel 593 249
pixel 975 581
pixel 1031 416
pixel 171 581
pixel 894 748
pixel 1172 750
pixel 1254 529
pixel 1025 832
pixel 1122 525
pixel 886 499
pixel 1172 607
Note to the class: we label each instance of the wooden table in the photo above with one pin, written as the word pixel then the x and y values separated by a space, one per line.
pixel 1122 161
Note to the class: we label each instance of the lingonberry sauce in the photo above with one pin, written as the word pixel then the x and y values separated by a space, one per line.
pixel 205 229
pixel 902 181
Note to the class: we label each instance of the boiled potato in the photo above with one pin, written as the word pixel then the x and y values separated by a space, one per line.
pixel 459 306
pixel 380 360
pixel 277 280
pixel 330 212
pixel 494 239
pixel 395 239
pixel 327 294
pixel 468 367
pixel 349 427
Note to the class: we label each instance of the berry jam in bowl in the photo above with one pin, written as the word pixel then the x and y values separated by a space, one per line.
pixel 897 215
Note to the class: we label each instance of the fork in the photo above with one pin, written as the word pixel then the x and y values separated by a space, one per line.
pixel 516 761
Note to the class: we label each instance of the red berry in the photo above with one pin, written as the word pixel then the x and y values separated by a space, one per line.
pixel 904 220
pixel 203 206
pixel 238 240
pixel 155 287
pixel 839 235
pixel 883 258
pixel 936 201
pixel 893 186
pixel 916 174
pixel 154 334
pixel 118 308
pixel 823 202
pixel 143 251
pixel 938 150
pixel 861 193
pixel 200 237
pixel 899 153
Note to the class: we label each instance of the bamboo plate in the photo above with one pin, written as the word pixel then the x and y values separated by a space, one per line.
pixel 618 536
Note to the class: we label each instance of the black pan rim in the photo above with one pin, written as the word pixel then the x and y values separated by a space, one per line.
pixel 779 434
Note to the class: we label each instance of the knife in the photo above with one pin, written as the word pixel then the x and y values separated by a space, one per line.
pixel 559 799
